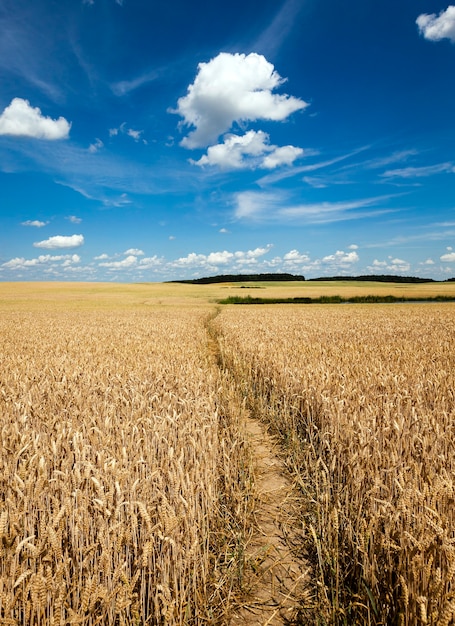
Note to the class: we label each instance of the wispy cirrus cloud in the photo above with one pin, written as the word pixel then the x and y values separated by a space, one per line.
pixel 419 172
pixel 270 179
pixel 272 38
pixel 276 207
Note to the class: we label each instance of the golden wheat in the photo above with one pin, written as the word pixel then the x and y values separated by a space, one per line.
pixel 363 396
pixel 112 504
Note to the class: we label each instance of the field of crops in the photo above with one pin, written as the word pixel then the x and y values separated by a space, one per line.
pixel 364 400
pixel 126 479
pixel 112 507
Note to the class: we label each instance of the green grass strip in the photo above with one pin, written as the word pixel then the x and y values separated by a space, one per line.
pixel 371 299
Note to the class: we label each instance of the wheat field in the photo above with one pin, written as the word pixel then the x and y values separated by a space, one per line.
pixel 363 399
pixel 127 487
pixel 112 509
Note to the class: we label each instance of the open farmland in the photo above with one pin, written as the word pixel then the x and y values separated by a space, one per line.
pixel 363 399
pixel 117 474
pixel 127 485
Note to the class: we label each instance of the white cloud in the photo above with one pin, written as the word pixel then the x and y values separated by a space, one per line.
pixel 135 134
pixel 229 155
pixel 74 219
pixel 353 246
pixel 257 205
pixel 392 265
pixel 22 120
pixel 35 223
pixel 215 259
pixel 224 231
pixel 130 132
pixel 436 27
pixel 219 258
pixel 60 241
pixel 135 252
pixel 399 265
pixel 232 88
pixel 268 206
pixel 294 256
pixel 150 262
pixel 253 145
pixel 94 147
pixel 448 258
pixel 341 258
pixel 20 263
pixel 418 172
pixel 127 262
pixel 275 177
pixel 315 181
pixel 284 155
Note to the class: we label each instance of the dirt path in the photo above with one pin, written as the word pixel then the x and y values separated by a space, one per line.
pixel 279 581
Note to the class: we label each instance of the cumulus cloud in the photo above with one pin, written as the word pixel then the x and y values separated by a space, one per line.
pixel 61 241
pixel 391 265
pixel 34 223
pixel 215 259
pixel 127 262
pixel 232 88
pixel 130 262
pixel 294 256
pixel 150 262
pixel 230 154
pixel 436 27
pixel 251 150
pixel 20 119
pixel 448 258
pixel 399 265
pixel 74 219
pixel 341 258
pixel 284 155
pixel 20 263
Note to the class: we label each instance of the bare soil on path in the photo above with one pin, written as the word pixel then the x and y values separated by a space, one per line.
pixel 279 579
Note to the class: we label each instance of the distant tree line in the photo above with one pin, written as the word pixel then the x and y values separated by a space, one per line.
pixel 378 278
pixel 241 278
pixel 245 278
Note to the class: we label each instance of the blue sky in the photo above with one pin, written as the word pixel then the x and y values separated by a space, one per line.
pixel 149 141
